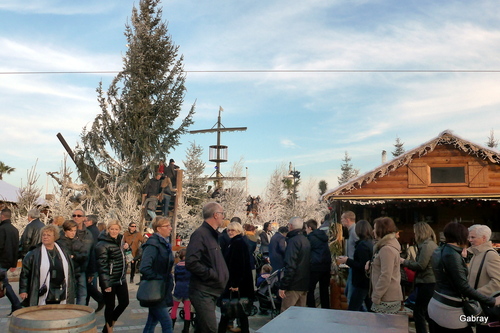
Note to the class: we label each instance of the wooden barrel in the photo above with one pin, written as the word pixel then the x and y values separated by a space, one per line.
pixel 54 318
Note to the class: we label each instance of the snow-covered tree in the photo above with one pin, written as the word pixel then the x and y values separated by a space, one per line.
pixel 348 171
pixel 310 207
pixel 194 183
pixel 67 194
pixel 233 197
pixel 273 204
pixel 29 197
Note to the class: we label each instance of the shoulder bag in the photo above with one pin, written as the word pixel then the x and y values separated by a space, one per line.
pixel 235 307
pixel 151 292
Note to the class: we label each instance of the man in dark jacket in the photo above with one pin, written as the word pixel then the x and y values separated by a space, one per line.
pixel 295 282
pixel 150 195
pixel 277 247
pixel 9 247
pixel 321 262
pixel 92 291
pixel 31 235
pixel 84 236
pixel 209 273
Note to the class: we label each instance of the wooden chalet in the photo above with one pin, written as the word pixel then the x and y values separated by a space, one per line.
pixel 445 179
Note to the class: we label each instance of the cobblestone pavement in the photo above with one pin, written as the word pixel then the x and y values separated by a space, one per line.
pixel 134 317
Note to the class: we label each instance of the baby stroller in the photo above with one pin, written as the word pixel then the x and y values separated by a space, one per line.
pixel 267 294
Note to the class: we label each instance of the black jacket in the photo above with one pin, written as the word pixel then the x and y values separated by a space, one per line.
pixel 321 260
pixel 110 261
pixel 9 244
pixel 451 274
pixel 363 252
pixel 29 280
pixel 85 236
pixel 297 259
pixel 205 261
pixel 240 272
pixel 74 249
pixel 277 248
pixel 157 262
pixel 31 237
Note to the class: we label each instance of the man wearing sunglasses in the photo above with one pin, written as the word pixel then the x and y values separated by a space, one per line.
pixel 85 236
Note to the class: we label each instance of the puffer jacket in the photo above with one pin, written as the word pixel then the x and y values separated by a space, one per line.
pixel 422 265
pixel 182 277
pixel 157 262
pixel 321 259
pixel 110 261
pixel 386 275
pixel 451 272
pixel 489 278
pixel 297 259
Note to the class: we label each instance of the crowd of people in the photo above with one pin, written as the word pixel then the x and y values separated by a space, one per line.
pixel 226 260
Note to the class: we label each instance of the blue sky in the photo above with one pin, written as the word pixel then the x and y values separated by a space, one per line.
pixel 307 118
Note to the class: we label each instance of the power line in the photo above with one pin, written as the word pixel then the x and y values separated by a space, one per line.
pixel 278 71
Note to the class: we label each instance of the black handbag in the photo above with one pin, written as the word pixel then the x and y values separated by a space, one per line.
pixel 471 307
pixel 151 292
pixel 233 307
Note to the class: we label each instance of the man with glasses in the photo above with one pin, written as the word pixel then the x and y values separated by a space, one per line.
pixel 85 236
pixel 134 239
pixel 92 290
pixel 209 273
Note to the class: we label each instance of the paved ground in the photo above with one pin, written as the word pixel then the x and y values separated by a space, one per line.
pixel 134 317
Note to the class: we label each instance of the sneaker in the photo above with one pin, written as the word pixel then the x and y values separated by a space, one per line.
pixel 100 305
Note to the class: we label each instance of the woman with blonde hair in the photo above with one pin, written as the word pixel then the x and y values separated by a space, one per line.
pixel 112 272
pixel 240 282
pixel 47 275
pixel 424 278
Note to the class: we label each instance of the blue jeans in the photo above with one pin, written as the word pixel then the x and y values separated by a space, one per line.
pixel 166 203
pixel 9 292
pixel 81 289
pixel 358 297
pixel 348 286
pixel 158 314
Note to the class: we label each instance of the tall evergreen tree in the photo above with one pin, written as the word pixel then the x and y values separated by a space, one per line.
pixel 135 128
pixel 492 142
pixel 347 169
pixel 322 186
pixel 399 149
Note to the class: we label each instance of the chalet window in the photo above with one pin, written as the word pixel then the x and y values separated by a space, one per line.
pixel 447 175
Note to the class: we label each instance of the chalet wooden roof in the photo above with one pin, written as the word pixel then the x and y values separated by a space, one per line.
pixel 445 137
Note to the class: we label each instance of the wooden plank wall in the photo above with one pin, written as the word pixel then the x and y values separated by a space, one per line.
pixel 396 182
